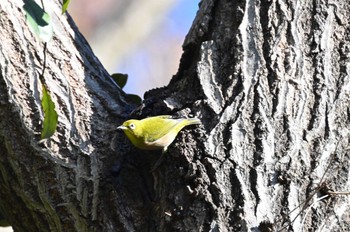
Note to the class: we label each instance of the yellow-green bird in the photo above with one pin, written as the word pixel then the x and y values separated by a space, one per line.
pixel 155 133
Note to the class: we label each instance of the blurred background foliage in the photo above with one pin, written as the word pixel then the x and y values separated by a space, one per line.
pixel 140 38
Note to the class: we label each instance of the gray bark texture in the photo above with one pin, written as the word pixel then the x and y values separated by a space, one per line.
pixel 268 79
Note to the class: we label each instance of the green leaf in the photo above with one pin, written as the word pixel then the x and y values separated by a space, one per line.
pixel 38 20
pixel 50 115
pixel 120 79
pixel 65 5
pixel 134 98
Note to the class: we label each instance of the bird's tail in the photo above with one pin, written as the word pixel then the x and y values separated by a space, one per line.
pixel 193 121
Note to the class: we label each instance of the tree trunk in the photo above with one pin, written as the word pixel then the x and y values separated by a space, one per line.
pixel 269 81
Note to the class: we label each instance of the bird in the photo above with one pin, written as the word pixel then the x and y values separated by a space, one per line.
pixel 155 133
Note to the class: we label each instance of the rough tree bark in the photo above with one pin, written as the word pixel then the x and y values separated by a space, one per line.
pixel 268 79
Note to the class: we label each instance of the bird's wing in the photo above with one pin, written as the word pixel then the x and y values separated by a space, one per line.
pixel 161 128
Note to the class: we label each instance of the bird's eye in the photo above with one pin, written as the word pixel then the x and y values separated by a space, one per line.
pixel 132 126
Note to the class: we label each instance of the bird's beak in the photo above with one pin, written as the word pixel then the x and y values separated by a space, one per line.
pixel 121 127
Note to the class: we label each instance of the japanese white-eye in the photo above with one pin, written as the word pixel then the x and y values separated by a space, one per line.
pixel 156 132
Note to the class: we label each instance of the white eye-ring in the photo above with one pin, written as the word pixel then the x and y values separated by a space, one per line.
pixel 132 126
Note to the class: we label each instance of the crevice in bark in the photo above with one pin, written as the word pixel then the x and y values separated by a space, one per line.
pixel 327 128
pixel 316 103
pixel 266 44
pixel 227 140
pixel 235 216
pixel 253 177
pixel 266 226
pixel 317 83
pixel 258 128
